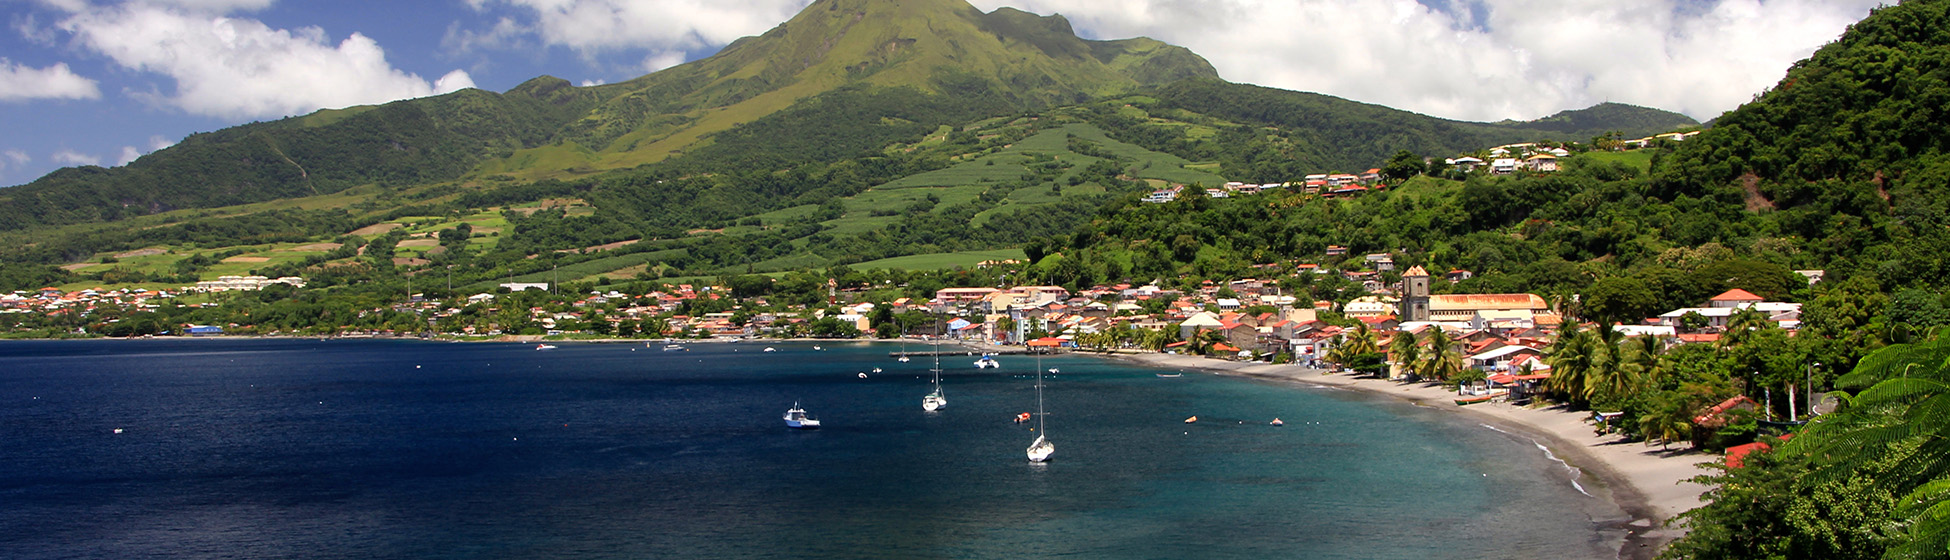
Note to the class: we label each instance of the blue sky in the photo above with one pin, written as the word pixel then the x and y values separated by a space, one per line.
pixel 103 81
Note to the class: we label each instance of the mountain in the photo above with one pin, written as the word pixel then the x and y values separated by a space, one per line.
pixel 944 51
pixel 841 79
pixel 1275 135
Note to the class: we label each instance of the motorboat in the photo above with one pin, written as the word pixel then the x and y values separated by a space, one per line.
pixel 796 418
pixel 675 348
pixel 987 362
pixel 1020 418
pixel 1277 422
pixel 545 347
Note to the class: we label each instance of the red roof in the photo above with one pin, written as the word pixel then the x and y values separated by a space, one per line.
pixel 1737 455
pixel 1713 414
pixel 1737 294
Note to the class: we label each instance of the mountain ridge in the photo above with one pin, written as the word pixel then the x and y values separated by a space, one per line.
pixel 935 62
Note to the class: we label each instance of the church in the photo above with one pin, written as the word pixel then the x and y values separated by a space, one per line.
pixel 1418 306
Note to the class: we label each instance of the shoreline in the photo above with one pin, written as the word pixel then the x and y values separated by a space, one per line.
pixel 1648 483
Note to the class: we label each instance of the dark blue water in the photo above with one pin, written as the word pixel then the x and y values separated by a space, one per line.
pixel 380 449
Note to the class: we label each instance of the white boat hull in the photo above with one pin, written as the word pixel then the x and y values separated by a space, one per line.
pixel 1041 450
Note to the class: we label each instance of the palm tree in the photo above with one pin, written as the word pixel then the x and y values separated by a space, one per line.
pixel 1408 354
pixel 1443 360
pixel 1361 341
pixel 1573 355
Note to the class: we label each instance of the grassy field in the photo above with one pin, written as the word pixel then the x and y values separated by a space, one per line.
pixel 1636 159
pixel 940 260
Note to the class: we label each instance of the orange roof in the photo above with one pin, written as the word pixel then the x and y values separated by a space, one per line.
pixel 1737 294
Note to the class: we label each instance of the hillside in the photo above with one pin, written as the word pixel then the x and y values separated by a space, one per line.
pixel 943 57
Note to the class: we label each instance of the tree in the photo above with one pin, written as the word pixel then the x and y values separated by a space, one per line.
pixel 1407 353
pixel 1574 355
pixel 1619 300
pixel 1403 166
pixel 1443 360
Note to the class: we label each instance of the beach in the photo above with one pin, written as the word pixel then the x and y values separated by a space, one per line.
pixel 1650 483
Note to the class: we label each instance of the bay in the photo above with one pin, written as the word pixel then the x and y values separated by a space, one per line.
pixel 400 449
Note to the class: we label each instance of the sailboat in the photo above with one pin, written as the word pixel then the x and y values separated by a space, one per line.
pixel 934 401
pixel 903 348
pixel 1040 450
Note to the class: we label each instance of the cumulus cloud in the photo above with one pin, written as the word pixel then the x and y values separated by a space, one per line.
pixel 13 158
pixel 71 157
pixel 239 68
pixel 21 83
pixel 596 26
pixel 1487 59
pixel 131 153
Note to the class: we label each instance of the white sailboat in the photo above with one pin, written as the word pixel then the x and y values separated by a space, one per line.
pixel 903 348
pixel 1040 450
pixel 935 401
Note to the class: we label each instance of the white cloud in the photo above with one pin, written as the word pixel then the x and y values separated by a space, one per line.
pixel 71 157
pixel 592 83
pixel 21 83
pixel 13 158
pixel 239 68
pixel 130 153
pixel 1523 59
pixel 661 27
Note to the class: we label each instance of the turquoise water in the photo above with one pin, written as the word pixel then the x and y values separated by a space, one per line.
pixel 382 449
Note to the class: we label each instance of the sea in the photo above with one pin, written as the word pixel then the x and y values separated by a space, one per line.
pixel 296 448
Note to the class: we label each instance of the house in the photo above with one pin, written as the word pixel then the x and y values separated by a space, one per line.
pixel 1503 166
pixel 953 295
pixel 1736 298
pixel 1203 320
pixel 1541 163
pixel 1370 306
pixel 1336 250
pixel 1500 360
pixel 1458 275
pixel 1466 163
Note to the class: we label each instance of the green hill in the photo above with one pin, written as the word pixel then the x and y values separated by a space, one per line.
pixel 942 58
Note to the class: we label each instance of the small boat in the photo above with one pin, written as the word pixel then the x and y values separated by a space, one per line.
pixel 771 349
pixel 1277 422
pixel 987 362
pixel 1191 420
pixel 903 359
pixel 818 349
pixel 1020 418
pixel 935 401
pixel 1040 450
pixel 876 370
pixel 863 375
pixel 1171 375
pixel 796 418
pixel 675 348
pixel 545 347
pixel 1461 401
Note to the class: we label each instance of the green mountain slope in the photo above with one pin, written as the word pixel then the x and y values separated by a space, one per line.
pixel 1849 148
pixel 548 128
pixel 1286 134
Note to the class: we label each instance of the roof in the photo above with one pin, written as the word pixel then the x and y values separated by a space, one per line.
pixel 1737 294
pixel 1415 271
pixel 1501 352
pixel 1486 301
pixel 1711 418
